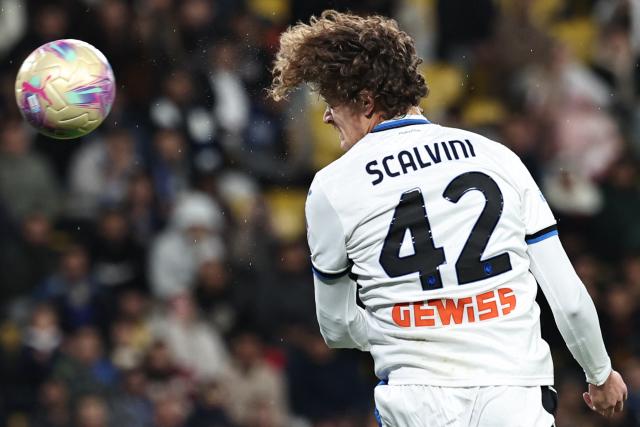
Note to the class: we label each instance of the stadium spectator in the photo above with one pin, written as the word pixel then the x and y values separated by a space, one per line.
pixel 83 368
pixel 118 260
pixel 27 183
pixel 100 172
pixel 74 291
pixel 26 259
pixel 256 390
pixel 192 235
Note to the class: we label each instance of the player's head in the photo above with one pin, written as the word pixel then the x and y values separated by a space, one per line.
pixel 365 68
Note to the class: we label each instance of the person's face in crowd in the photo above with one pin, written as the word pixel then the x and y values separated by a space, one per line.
pixel 51 22
pixel 44 318
pixel 183 308
pixel 170 412
pixel 114 17
pixel 247 350
pixel 170 146
pixel 212 395
pixel 135 382
pixel 293 258
pixel 213 276
pixel 196 14
pixel 36 229
pixel 140 191
pixel 75 264
pixel 620 303
pixel 132 305
pixel 43 334
pixel 114 226
pixel 122 333
pixel 87 347
pixel 224 56
pixel 120 151
pixel 179 87
pixel 15 140
pixel 92 412
pixel 159 358
pixel 53 394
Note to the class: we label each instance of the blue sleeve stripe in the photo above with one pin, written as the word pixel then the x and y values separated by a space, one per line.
pixel 542 237
pixel 330 276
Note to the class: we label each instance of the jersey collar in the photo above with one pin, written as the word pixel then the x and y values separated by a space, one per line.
pixel 408 120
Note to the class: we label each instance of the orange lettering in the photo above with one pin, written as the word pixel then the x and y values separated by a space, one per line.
pixel 419 313
pixel 490 305
pixel 507 300
pixel 448 309
pixel 401 315
pixel 470 314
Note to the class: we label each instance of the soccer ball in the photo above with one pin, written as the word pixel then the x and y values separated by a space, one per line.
pixel 65 88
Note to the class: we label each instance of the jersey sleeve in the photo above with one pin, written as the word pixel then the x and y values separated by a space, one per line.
pixel 325 235
pixel 572 308
pixel 538 219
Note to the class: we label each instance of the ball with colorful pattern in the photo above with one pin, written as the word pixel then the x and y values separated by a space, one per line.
pixel 65 88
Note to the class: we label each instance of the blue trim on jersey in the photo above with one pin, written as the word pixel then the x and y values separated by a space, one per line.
pixel 329 276
pixel 376 413
pixel 543 237
pixel 399 123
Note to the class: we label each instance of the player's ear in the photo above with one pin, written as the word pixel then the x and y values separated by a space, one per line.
pixel 368 103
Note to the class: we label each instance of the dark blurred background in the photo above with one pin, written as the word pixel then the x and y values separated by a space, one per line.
pixel 110 316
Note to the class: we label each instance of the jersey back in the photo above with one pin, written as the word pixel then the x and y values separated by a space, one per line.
pixel 434 222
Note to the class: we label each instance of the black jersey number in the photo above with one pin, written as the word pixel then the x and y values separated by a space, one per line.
pixel 411 216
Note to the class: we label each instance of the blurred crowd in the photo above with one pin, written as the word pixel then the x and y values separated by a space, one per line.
pixel 155 272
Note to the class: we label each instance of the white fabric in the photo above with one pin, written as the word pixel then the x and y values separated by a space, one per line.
pixel 572 308
pixel 348 219
pixel 342 323
pixel 422 406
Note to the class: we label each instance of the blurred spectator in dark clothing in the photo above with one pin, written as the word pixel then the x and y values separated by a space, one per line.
pixel 256 390
pixel 40 352
pixel 184 104
pixel 632 373
pixel 131 334
pixel 54 409
pixel 131 407
pixel 286 296
pixel 620 320
pixel 111 31
pixel 118 260
pixel 217 298
pixel 326 385
pixel 83 368
pixel 169 166
pixel 27 183
pixel 144 214
pixel 210 410
pixel 100 172
pixel 196 23
pixel 621 210
pixel 462 24
pixel 27 260
pixel 165 377
pixel 74 291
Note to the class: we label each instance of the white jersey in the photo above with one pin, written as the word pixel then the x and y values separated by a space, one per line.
pixel 434 222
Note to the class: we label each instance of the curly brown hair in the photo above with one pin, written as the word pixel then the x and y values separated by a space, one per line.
pixel 344 57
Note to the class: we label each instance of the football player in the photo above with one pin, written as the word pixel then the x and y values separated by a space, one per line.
pixel 445 232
